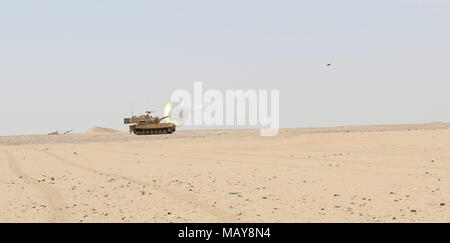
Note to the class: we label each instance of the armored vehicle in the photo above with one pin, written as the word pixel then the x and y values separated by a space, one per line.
pixel 147 124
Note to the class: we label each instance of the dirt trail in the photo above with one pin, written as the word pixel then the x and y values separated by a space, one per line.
pixel 220 214
pixel 55 202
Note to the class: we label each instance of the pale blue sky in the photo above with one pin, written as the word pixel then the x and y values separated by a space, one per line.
pixel 77 64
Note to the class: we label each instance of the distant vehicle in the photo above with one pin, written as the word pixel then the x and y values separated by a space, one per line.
pixel 147 125
pixel 58 133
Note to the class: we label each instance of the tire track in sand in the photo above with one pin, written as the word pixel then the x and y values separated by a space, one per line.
pixel 54 200
pixel 285 165
pixel 220 214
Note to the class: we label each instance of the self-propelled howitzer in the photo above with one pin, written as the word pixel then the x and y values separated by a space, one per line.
pixel 147 124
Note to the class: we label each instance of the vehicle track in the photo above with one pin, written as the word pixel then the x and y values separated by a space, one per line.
pixel 220 214
pixel 356 162
pixel 284 165
pixel 55 202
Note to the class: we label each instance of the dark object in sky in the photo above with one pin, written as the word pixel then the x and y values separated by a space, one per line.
pixel 329 64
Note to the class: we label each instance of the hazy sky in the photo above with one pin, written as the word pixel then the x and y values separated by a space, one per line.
pixel 77 64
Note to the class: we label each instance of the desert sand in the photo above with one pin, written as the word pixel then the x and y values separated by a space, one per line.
pixel 100 130
pixel 340 174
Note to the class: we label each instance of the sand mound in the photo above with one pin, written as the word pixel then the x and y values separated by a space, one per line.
pixel 100 130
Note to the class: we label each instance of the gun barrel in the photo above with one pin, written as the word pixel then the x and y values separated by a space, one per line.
pixel 162 118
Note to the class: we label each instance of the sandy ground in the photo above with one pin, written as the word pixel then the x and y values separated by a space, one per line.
pixel 342 174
